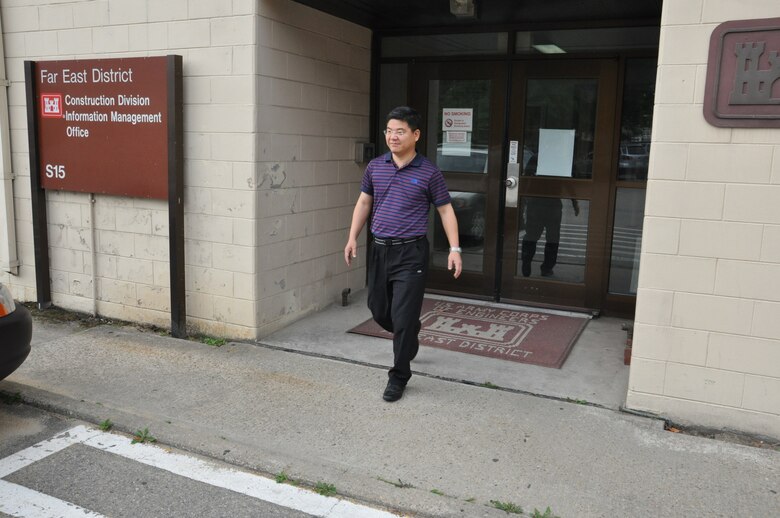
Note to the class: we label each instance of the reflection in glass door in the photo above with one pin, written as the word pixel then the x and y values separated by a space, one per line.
pixel 566 229
pixel 633 161
pixel 553 236
pixel 557 142
pixel 559 127
pixel 464 108
pixel 459 126
pixel 536 227
pixel 557 186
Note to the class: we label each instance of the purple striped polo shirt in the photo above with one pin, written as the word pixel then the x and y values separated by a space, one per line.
pixel 403 197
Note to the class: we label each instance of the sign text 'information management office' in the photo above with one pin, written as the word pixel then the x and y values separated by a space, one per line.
pixel 102 126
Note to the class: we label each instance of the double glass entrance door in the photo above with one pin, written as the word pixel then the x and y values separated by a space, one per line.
pixel 526 150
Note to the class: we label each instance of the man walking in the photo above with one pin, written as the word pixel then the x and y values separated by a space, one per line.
pixel 397 191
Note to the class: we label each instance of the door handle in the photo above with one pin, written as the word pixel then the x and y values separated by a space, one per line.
pixel 511 183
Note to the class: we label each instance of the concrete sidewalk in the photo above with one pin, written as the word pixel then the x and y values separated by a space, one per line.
pixel 320 419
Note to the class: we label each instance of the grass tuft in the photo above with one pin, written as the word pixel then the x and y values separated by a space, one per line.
pixel 11 399
pixel 142 436
pixel 325 489
pixel 547 513
pixel 507 507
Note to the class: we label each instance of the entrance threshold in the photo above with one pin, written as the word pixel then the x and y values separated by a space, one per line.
pixel 593 373
pixel 519 306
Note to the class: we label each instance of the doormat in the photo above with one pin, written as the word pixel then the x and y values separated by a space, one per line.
pixel 531 337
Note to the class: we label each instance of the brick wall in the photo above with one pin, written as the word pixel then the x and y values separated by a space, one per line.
pixel 707 335
pixel 314 79
pixel 275 95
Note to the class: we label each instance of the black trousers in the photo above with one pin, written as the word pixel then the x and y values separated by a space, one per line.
pixel 542 215
pixel 396 286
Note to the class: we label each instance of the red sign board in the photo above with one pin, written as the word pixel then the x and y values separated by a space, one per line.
pixel 103 125
pixel 743 75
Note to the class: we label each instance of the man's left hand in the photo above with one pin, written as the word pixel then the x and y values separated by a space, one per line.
pixel 455 261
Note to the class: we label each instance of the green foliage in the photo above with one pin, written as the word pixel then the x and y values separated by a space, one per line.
pixel 11 399
pixel 282 478
pixel 214 342
pixel 142 436
pixel 208 340
pixel 325 489
pixel 106 425
pixel 437 492
pixel 547 513
pixel 507 507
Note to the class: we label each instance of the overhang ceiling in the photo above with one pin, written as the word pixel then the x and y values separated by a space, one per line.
pixel 400 15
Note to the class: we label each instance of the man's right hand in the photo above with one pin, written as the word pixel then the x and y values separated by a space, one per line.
pixel 350 251
pixel 359 218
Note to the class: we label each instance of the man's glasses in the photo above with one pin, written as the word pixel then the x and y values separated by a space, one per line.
pixel 397 133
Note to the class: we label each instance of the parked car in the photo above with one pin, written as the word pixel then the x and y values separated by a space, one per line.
pixel 474 161
pixel 634 155
pixel 470 211
pixel 15 333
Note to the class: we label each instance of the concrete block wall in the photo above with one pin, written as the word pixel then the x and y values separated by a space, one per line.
pixel 275 96
pixel 130 261
pixel 314 88
pixel 707 339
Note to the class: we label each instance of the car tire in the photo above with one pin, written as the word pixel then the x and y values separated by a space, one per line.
pixel 15 343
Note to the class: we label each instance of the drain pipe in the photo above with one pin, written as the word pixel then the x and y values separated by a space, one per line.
pixel 9 261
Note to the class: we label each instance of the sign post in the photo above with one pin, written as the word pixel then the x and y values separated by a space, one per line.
pixel 108 126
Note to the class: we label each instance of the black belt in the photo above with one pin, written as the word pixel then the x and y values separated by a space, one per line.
pixel 390 241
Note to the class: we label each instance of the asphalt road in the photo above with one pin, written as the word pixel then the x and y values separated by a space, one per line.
pixel 54 466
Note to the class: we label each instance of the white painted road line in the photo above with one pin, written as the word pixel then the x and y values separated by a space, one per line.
pixel 43 449
pixel 20 501
pixel 189 467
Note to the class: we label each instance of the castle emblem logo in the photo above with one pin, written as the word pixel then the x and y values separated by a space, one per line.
pixel 753 85
pixel 742 89
pixel 478 328
pixel 51 105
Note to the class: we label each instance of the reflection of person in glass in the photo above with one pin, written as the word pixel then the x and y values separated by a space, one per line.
pixel 543 215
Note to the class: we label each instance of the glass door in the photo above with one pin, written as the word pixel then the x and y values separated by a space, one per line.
pixel 463 107
pixel 557 184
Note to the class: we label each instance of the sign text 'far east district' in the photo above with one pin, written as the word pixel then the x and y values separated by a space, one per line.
pixel 103 125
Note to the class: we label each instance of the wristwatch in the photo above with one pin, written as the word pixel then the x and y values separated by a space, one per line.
pixel 456 249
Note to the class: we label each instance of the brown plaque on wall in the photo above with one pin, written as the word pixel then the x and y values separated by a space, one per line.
pixel 103 125
pixel 743 75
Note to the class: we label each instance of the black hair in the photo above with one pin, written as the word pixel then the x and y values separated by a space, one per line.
pixel 406 114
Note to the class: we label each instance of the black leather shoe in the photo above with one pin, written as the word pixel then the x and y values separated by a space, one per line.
pixel 393 392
